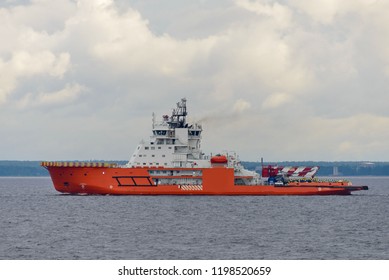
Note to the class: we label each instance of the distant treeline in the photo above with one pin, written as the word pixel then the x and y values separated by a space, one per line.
pixel 22 168
pixel 13 168
pixel 343 168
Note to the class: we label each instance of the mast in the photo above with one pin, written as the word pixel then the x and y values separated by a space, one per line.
pixel 178 117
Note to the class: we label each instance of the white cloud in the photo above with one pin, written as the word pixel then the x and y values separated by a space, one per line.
pixel 284 67
pixel 275 100
pixel 28 50
pixel 357 137
pixel 42 15
pixel 281 14
pixel 240 106
pixel 24 65
pixel 66 95
pixel 322 11
pixel 29 64
pixel 127 45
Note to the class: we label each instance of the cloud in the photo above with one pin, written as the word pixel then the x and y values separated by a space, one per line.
pixel 24 64
pixel 275 100
pixel 281 14
pixel 327 11
pixel 314 72
pixel 66 95
pixel 127 45
pixel 322 11
pixel 356 137
pixel 258 56
pixel 29 64
pixel 241 106
pixel 27 49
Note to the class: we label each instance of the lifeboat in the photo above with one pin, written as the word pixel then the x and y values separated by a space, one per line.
pixel 219 159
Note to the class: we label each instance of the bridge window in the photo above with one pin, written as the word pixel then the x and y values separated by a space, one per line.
pixel 159 132
pixel 194 133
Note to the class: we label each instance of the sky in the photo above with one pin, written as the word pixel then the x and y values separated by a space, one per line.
pixel 279 79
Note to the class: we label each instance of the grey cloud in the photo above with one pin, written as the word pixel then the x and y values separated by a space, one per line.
pixel 289 80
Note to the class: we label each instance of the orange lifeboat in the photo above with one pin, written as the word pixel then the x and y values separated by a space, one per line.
pixel 219 159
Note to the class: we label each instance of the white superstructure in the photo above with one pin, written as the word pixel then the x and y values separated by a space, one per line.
pixel 177 144
pixel 174 143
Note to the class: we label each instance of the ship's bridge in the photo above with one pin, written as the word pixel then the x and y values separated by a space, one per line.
pixel 173 143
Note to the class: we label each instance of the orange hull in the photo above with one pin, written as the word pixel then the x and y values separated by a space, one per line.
pixel 138 181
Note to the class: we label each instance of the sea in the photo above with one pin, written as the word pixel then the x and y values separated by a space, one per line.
pixel 37 222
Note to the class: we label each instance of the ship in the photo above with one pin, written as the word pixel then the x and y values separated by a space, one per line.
pixel 172 163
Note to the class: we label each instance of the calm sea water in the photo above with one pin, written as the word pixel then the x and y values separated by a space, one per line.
pixel 39 223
